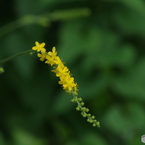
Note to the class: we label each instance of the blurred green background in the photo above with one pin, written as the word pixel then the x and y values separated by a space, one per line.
pixel 103 44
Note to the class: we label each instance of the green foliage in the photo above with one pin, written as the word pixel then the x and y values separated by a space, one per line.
pixel 102 42
pixel 24 138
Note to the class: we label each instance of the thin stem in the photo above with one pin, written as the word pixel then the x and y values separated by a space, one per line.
pixel 14 56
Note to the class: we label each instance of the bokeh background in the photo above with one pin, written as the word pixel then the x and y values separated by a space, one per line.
pixel 103 44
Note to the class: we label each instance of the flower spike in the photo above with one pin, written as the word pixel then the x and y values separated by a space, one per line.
pixel 65 79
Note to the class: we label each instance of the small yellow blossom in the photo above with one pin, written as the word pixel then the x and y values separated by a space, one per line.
pixel 39 47
pixel 50 60
pixel 53 53
pixel 58 61
pixel 61 70
pixel 68 83
pixel 42 56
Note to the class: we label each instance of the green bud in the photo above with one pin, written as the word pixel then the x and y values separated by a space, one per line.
pixel 98 123
pixel 84 114
pixel 89 120
pixel 83 109
pixel 31 53
pixel 79 99
pixel 82 103
pixel 94 124
pixel 76 100
pixel 73 100
pixel 87 110
pixel 93 117
pixel 1 70
pixel 77 108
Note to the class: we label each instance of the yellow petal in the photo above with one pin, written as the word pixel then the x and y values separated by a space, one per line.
pixel 36 43
pixel 54 49
pixel 42 44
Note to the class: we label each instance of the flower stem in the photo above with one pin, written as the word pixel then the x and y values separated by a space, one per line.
pixel 14 56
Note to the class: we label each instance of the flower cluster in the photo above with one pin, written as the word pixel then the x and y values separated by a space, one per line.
pixel 51 58
pixel 65 78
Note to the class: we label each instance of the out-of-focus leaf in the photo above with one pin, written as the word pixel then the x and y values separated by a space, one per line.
pixel 62 131
pixel 73 142
pixel 2 141
pixel 137 5
pixel 27 7
pixel 93 139
pixel 125 121
pixel 130 22
pixel 87 86
pixel 131 84
pixel 62 103
pixel 84 41
pixel 24 138
pixel 136 140
pixel 71 40
pixel 120 57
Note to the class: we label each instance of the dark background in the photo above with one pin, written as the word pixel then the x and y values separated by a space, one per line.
pixel 103 44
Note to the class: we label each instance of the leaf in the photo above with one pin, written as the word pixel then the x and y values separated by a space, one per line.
pixel 2 141
pixel 126 121
pixel 70 41
pixel 62 103
pixel 137 5
pixel 22 137
pixel 129 22
pixel 93 139
pixel 131 85
pixel 118 57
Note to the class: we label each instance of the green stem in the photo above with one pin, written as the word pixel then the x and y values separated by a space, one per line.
pixel 14 56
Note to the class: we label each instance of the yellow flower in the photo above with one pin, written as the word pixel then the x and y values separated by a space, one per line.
pixel 39 47
pixel 58 61
pixel 53 53
pixel 68 83
pixel 49 60
pixel 42 56
pixel 51 57
pixel 61 70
